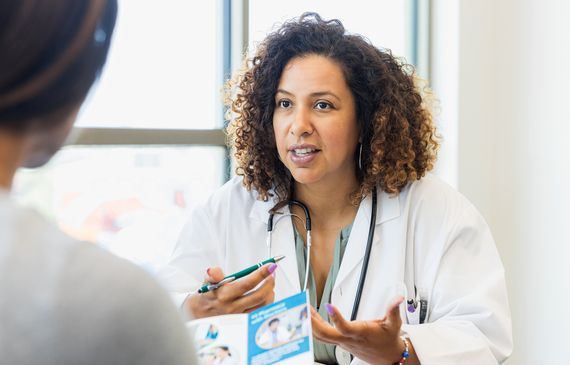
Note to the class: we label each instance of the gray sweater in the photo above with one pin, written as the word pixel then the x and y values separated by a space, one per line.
pixel 68 302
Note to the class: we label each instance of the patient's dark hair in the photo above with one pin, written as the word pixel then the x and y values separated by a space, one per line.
pixel 51 52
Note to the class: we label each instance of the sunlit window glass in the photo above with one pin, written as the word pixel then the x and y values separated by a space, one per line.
pixel 381 21
pixel 161 68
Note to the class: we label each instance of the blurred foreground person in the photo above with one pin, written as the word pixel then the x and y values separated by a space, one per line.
pixel 64 301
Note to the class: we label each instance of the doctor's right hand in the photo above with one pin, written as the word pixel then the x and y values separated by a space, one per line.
pixel 235 297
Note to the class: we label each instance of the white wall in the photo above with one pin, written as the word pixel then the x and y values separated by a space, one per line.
pixel 513 153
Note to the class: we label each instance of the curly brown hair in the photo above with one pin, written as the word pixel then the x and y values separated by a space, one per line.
pixel 393 106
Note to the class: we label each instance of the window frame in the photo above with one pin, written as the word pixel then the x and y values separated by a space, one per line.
pixel 232 21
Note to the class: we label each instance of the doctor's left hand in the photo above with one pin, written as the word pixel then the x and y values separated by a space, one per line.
pixel 374 341
pixel 241 296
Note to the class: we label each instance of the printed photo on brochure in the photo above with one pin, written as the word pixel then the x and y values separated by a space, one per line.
pixel 279 333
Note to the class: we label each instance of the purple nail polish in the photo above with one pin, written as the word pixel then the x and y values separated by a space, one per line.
pixel 273 275
pixel 329 308
pixel 272 268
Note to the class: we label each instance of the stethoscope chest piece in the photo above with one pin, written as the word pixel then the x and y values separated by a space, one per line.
pixel 342 356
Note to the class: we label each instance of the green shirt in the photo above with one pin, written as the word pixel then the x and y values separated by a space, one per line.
pixel 323 353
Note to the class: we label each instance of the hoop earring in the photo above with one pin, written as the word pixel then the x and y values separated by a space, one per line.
pixel 360 157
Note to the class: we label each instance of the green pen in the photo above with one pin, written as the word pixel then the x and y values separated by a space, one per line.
pixel 206 288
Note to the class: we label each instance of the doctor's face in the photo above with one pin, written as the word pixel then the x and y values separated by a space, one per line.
pixel 315 124
pixel 221 353
pixel 273 326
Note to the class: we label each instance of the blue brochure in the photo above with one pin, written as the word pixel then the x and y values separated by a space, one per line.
pixel 279 333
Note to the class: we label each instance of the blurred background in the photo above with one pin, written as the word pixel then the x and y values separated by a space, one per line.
pixel 148 146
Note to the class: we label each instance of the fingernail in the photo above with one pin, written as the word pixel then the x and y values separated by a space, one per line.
pixel 329 308
pixel 272 268
pixel 208 271
pixel 273 275
pixel 400 302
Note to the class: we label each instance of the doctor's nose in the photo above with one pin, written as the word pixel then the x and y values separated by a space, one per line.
pixel 301 123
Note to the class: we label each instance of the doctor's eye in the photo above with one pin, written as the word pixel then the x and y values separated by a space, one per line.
pixel 322 105
pixel 284 104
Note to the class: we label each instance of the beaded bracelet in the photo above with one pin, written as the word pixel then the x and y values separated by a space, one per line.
pixel 406 353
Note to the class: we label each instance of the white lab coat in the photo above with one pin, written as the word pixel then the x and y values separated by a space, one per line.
pixel 228 360
pixel 429 236
pixel 266 339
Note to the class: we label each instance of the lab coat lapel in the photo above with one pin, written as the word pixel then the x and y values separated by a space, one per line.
pixel 351 264
pixel 283 242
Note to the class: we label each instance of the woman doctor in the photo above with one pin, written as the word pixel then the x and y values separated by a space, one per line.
pixel 325 118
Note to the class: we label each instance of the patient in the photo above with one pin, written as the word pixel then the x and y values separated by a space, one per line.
pixel 64 301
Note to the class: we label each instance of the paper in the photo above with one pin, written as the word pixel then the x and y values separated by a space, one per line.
pixel 279 333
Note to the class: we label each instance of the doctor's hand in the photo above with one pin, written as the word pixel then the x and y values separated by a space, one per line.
pixel 235 297
pixel 375 341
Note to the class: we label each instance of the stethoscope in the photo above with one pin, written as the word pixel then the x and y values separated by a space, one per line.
pixel 306 224
pixel 343 357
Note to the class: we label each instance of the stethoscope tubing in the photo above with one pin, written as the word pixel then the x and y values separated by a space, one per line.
pixel 366 256
pixel 367 253
pixel 309 241
pixel 306 224
pixel 365 263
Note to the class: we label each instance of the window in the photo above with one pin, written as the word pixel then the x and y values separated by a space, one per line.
pixel 381 21
pixel 149 147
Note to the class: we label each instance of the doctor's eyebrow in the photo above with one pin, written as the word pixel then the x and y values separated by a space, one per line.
pixel 315 94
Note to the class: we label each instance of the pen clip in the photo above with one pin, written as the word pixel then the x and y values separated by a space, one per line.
pixel 225 281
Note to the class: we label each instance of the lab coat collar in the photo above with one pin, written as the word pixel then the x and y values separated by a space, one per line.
pixel 388 208
pixel 260 210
